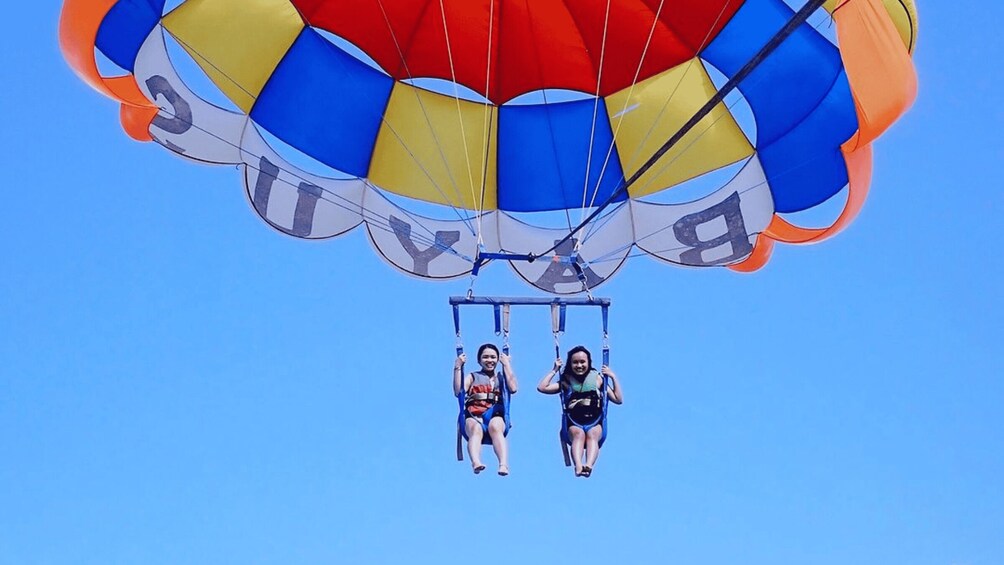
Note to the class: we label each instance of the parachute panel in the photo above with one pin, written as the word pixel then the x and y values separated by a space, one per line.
pixel 719 229
pixel 424 247
pixel 125 28
pixel 554 156
pixel 806 165
pixel 596 255
pixel 294 202
pixel 799 89
pixel 381 102
pixel 438 149
pixel 186 124
pixel 326 103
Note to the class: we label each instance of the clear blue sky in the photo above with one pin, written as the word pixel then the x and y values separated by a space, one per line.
pixel 180 384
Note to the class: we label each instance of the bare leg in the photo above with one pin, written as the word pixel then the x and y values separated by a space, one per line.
pixel 496 429
pixel 578 438
pixel 593 445
pixel 474 435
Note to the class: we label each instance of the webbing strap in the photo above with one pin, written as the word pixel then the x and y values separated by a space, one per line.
pixel 505 329
pixel 606 336
pixel 557 326
pixel 490 396
pixel 460 395
pixel 456 327
pixel 581 275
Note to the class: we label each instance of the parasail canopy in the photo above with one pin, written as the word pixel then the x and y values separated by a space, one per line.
pixel 508 114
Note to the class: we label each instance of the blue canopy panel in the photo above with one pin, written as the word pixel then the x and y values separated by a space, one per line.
pixel 809 156
pixel 800 98
pixel 125 28
pixel 542 154
pixel 326 103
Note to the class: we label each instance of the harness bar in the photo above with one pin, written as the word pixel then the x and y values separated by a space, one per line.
pixel 526 301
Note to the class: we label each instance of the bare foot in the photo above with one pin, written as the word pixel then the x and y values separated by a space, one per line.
pixel 587 471
pixel 478 468
pixel 578 471
pixel 503 470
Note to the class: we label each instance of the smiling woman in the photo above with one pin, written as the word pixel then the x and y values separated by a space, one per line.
pixel 584 395
pixel 485 400
pixel 547 128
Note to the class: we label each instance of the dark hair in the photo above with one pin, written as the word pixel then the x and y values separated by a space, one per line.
pixel 566 372
pixel 487 346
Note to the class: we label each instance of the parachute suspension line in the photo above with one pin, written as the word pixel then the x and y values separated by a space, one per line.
pixel 460 118
pixel 428 122
pixel 627 100
pixel 416 220
pixel 598 224
pixel 202 57
pixel 486 137
pixel 596 109
pixel 679 83
pixel 798 19
pixel 665 105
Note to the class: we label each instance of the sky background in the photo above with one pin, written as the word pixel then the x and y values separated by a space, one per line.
pixel 181 384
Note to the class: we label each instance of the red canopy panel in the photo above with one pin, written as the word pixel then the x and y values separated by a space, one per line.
pixel 535 44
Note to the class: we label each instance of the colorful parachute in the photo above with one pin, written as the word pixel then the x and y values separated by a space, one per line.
pixel 503 112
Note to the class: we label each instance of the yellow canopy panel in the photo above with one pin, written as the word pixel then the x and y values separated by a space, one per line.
pixel 434 148
pixel 642 120
pixel 238 43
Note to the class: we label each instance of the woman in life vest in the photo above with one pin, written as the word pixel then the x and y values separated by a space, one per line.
pixel 483 409
pixel 581 387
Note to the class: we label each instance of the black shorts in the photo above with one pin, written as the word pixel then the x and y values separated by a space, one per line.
pixel 495 411
pixel 584 415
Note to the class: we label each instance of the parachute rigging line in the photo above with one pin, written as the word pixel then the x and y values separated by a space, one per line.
pixel 486 138
pixel 627 99
pixel 460 117
pixel 634 82
pixel 676 88
pixel 798 19
pixel 596 107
